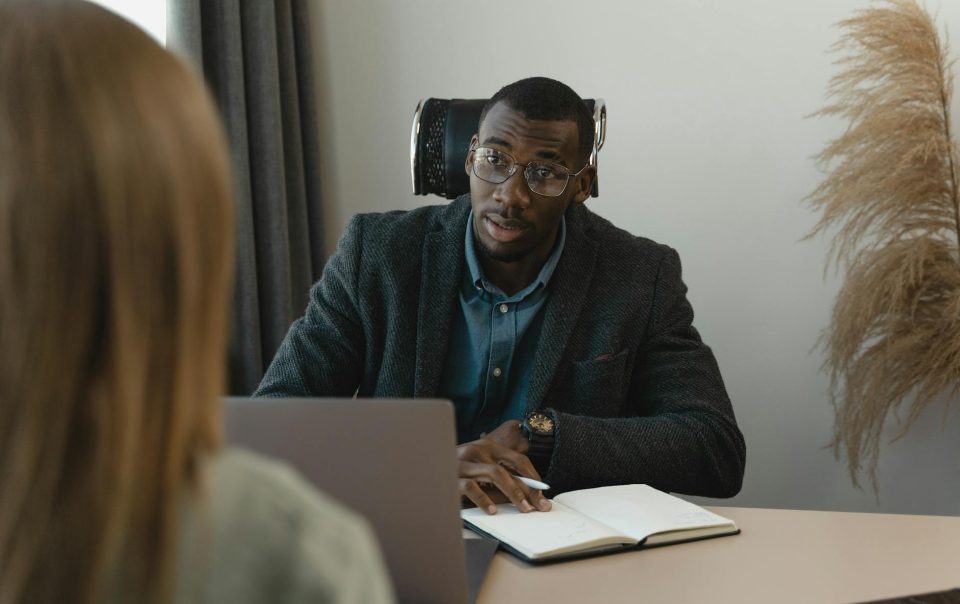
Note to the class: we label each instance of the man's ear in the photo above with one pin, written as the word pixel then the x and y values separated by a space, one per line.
pixel 474 140
pixel 584 184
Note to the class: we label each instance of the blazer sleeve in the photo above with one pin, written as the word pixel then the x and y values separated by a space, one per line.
pixel 322 353
pixel 679 433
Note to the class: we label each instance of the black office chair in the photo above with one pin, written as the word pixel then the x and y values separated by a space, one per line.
pixel 440 141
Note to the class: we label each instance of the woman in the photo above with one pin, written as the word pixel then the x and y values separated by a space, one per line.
pixel 116 255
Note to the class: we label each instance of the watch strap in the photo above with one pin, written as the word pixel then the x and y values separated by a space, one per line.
pixel 540 449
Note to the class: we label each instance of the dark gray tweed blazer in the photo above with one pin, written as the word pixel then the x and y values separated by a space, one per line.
pixel 637 395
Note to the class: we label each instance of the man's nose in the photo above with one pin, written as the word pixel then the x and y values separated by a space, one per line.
pixel 514 191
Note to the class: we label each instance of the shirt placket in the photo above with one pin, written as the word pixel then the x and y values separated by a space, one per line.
pixel 503 340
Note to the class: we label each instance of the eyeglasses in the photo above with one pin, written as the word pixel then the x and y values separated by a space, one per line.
pixel 493 166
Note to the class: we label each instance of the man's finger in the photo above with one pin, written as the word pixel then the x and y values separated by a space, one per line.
pixel 484 462
pixel 486 450
pixel 519 494
pixel 517 462
pixel 536 496
pixel 499 478
pixel 472 491
pixel 520 465
pixel 494 494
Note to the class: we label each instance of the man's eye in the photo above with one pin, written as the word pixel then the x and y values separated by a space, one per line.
pixel 544 173
pixel 494 160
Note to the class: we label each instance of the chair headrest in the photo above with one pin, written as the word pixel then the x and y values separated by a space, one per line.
pixel 440 141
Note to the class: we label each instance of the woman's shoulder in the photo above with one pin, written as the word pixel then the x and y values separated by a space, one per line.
pixel 240 480
pixel 269 500
pixel 272 532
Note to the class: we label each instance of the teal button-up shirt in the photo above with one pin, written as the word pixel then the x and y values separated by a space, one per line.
pixel 492 344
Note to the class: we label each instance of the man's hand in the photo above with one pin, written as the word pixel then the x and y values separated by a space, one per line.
pixel 486 465
pixel 511 436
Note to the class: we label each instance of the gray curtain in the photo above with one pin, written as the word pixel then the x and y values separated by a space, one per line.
pixel 256 57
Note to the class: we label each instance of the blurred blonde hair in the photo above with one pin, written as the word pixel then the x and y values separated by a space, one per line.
pixel 116 248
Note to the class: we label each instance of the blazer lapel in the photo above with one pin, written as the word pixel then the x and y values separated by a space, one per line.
pixel 442 266
pixel 569 286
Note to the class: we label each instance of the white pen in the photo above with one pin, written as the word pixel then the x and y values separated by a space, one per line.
pixel 533 484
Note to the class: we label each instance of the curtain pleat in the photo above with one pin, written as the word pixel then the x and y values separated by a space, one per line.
pixel 256 56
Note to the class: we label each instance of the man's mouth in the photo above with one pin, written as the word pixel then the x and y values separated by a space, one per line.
pixel 503 229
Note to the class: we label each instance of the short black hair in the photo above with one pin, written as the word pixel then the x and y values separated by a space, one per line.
pixel 541 98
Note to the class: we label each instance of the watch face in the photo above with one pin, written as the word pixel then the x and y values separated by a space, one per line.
pixel 541 424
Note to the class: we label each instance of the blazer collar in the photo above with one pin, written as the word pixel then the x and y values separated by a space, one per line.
pixel 441 267
pixel 568 294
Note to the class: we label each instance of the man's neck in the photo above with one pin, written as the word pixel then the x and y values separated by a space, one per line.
pixel 512 277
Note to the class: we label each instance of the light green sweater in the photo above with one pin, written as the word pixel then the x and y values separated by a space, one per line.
pixel 263 534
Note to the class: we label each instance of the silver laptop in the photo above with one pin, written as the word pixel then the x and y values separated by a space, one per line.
pixel 394 461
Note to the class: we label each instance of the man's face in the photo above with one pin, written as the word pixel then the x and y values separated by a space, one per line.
pixel 511 222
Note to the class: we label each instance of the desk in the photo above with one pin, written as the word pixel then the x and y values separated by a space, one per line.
pixel 781 556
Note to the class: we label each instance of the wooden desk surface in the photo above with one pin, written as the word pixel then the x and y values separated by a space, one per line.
pixel 781 556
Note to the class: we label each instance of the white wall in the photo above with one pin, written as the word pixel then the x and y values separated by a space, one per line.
pixel 150 15
pixel 708 151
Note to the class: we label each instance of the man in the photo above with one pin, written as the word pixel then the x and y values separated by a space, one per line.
pixel 565 343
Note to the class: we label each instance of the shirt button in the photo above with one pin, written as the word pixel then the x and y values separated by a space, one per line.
pixel 497 372
pixel 504 308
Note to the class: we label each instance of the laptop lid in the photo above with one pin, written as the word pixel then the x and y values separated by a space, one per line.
pixel 391 460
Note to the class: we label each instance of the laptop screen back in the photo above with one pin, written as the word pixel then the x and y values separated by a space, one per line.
pixel 391 460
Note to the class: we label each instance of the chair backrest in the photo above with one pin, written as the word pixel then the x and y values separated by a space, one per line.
pixel 440 141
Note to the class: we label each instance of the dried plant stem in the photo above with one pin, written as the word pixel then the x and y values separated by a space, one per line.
pixel 892 195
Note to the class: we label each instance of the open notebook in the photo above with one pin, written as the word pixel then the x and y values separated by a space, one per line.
pixel 597 521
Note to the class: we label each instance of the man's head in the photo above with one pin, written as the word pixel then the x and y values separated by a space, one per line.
pixel 542 132
pixel 540 98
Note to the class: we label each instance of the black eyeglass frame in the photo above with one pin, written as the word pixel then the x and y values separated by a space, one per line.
pixel 471 157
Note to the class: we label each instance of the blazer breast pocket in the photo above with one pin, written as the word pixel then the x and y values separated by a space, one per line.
pixel 598 384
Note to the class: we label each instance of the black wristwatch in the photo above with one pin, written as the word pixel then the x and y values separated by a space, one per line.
pixel 539 428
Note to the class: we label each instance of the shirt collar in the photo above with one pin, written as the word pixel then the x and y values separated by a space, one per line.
pixel 543 277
